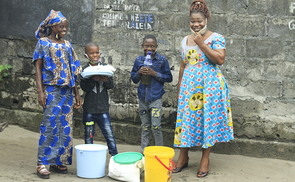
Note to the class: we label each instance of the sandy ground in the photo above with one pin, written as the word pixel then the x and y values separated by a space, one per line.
pixel 18 158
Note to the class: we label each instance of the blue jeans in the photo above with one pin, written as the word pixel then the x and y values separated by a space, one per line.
pixel 150 116
pixel 104 123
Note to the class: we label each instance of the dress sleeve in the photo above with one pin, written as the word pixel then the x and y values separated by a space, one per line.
pixel 75 64
pixel 182 48
pixel 218 42
pixel 39 51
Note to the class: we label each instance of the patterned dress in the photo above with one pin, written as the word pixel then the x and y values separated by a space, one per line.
pixel 204 112
pixel 59 74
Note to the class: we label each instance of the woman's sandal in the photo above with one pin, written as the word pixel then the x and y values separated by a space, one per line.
pixel 179 169
pixel 42 172
pixel 202 174
pixel 59 169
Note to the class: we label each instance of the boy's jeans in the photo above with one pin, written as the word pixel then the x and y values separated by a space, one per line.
pixel 150 116
pixel 104 123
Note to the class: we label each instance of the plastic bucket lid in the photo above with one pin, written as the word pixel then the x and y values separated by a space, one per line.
pixel 127 157
pixel 91 147
pixel 160 151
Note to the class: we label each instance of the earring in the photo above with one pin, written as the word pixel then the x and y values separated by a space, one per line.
pixel 56 36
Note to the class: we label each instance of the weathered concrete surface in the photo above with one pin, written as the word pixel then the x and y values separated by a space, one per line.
pixel 19 149
pixel 20 19
pixel 129 133
pixel 259 67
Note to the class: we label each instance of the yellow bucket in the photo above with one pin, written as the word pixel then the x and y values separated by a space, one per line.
pixel 158 164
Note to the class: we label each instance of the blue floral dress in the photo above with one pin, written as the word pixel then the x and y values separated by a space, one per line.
pixel 59 74
pixel 204 112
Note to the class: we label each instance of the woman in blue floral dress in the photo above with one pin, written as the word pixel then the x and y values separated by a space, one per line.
pixel 57 70
pixel 204 112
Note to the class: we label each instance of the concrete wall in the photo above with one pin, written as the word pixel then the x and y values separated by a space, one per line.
pixel 260 62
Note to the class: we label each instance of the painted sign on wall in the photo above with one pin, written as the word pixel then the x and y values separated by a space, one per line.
pixel 123 16
pixel 138 21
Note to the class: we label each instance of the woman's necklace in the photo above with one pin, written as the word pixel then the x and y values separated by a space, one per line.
pixel 56 38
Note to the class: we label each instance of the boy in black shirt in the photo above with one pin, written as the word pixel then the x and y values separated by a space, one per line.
pixel 96 101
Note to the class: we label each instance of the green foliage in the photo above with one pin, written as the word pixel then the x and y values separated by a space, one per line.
pixel 4 71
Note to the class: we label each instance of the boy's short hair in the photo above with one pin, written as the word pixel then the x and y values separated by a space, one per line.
pixel 90 44
pixel 149 36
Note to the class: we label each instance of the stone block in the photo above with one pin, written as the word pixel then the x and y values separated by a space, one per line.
pixel 286 131
pixel 242 25
pixel 268 7
pixel 28 67
pixel 170 97
pixel 252 69
pixel 289 50
pixel 236 7
pixel 169 117
pixel 124 113
pixel 269 88
pixel 266 48
pixel 23 11
pixel 3 48
pixel 235 47
pixel 257 148
pixel 17 65
pixel 279 107
pixel 278 27
pixel 109 40
pixel 165 43
pixel 232 69
pixel 256 127
pixel 218 23
pixel 217 7
pixel 11 48
pixel 5 60
pixel 25 48
pixel 102 4
pixel 242 71
pixel 164 6
pixel 246 108
pixel 174 23
pixel 288 89
pixel 130 58
pixel 25 119
pixel 279 70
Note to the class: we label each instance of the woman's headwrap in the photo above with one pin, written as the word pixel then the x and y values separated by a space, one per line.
pixel 53 18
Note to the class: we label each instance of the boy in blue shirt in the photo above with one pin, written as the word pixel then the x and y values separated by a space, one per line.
pixel 150 93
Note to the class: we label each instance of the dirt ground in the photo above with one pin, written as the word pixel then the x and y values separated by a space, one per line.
pixel 19 149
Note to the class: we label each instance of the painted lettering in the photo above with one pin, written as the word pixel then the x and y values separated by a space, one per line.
pixel 109 23
pixel 119 1
pixel 292 7
pixel 130 21
pixel 131 7
pixel 145 18
pixel 292 25
pixel 112 16
pixel 139 26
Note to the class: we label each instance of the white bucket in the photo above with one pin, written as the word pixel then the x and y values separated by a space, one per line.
pixel 91 160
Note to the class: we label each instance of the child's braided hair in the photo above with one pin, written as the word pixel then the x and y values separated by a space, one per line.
pixel 200 6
